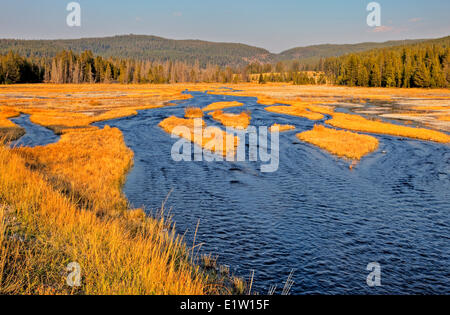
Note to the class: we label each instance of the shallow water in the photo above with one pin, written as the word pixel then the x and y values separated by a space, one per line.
pixel 35 135
pixel 313 215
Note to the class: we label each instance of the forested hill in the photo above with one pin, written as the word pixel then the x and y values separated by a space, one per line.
pixel 152 48
pixel 141 47
pixel 423 65
pixel 313 53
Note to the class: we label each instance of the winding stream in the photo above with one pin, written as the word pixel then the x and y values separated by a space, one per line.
pixel 35 135
pixel 313 215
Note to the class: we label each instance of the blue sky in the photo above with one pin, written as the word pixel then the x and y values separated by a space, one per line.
pixel 272 24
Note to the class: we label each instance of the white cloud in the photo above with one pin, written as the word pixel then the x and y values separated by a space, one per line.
pixel 382 29
pixel 415 20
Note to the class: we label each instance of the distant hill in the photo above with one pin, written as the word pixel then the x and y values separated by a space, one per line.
pixel 417 65
pixel 154 48
pixel 144 48
pixel 313 53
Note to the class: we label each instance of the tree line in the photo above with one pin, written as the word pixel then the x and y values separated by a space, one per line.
pixel 69 67
pixel 421 65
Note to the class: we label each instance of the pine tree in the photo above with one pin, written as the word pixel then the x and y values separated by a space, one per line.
pixel 261 79
pixel 421 77
pixel 375 76
pixel 108 74
pixel 363 77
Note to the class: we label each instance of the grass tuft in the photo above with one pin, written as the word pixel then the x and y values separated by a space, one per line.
pixel 358 123
pixel 341 143
pixel 62 204
pixel 237 121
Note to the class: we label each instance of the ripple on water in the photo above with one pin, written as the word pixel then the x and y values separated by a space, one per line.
pixel 313 215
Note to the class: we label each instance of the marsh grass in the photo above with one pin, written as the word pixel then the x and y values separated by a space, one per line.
pixel 193 112
pixel 281 128
pixel 295 111
pixel 221 105
pixel 210 138
pixel 57 120
pixel 62 204
pixel 237 121
pixel 11 134
pixel 339 142
pixel 358 123
pixel 9 130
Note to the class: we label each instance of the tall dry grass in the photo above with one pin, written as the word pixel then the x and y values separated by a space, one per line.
pixel 221 105
pixel 339 142
pixel 237 121
pixel 8 129
pixel 51 214
pixel 89 163
pixel 358 123
pixel 295 111
pixel 58 120
pixel 193 112
pixel 195 130
pixel 281 128
pixel 5 114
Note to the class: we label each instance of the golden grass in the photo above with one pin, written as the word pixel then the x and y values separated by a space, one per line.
pixel 295 111
pixel 51 194
pixel 195 130
pixel 430 108
pixel 334 96
pixel 281 128
pixel 221 105
pixel 322 109
pixel 358 123
pixel 193 112
pixel 267 100
pixel 60 107
pixel 5 114
pixel 60 120
pixel 444 118
pixel 283 91
pixel 237 121
pixel 312 106
pixel 8 129
pixel 75 161
pixel 341 143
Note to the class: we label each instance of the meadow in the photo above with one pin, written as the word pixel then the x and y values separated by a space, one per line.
pixel 63 202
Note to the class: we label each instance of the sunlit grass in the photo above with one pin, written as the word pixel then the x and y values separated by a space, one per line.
pixel 298 104
pixel 193 112
pixel 281 128
pixel 221 105
pixel 236 121
pixel 64 205
pixel 295 111
pixel 195 130
pixel 8 129
pixel 358 123
pixel 60 107
pixel 322 109
pixel 341 143
pixel 430 108
pixel 90 163
pixel 60 120
pixel 5 114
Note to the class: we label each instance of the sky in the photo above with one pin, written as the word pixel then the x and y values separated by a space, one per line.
pixel 276 25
